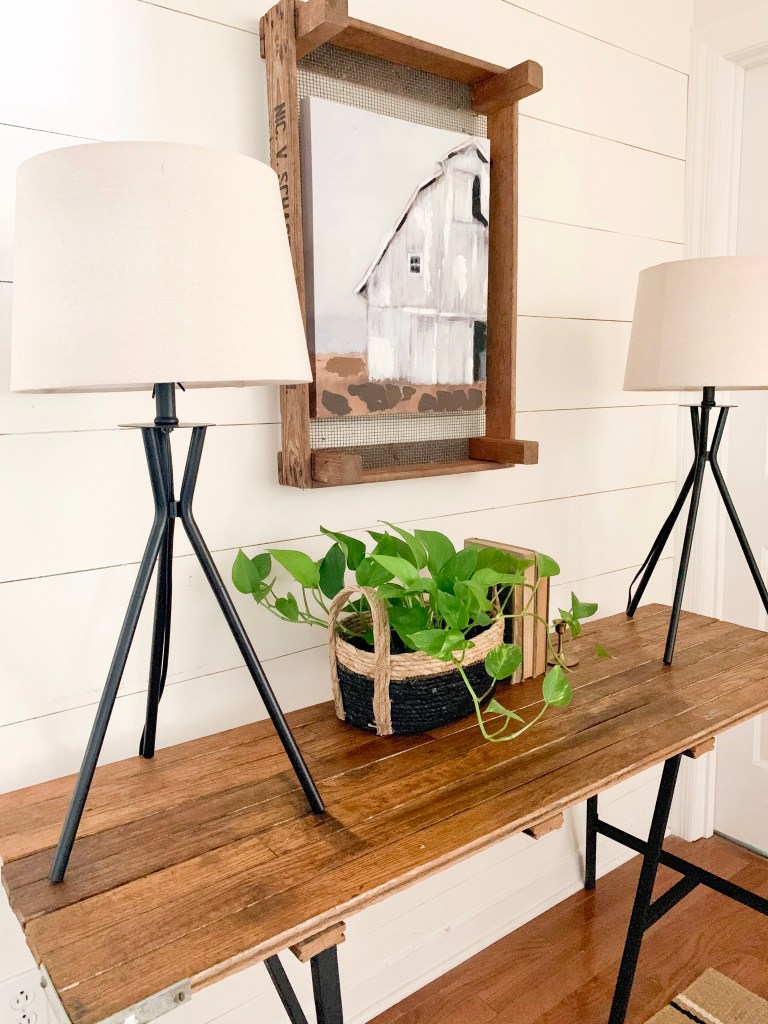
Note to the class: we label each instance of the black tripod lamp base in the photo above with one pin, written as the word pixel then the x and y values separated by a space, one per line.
pixel 704 453
pixel 159 551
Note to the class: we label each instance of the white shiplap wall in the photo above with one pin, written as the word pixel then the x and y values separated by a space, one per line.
pixel 602 176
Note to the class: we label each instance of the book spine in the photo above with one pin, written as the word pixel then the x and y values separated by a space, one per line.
pixel 542 628
pixel 529 624
pixel 517 603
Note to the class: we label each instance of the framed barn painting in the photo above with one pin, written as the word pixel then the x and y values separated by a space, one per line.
pixel 396 251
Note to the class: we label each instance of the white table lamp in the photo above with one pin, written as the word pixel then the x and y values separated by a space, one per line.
pixel 140 265
pixel 699 325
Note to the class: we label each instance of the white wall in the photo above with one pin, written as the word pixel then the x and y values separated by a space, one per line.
pixel 602 171
pixel 706 12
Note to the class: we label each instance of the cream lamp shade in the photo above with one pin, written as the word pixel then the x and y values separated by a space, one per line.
pixel 139 263
pixel 700 323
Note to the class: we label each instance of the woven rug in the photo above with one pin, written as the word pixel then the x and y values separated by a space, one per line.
pixel 714 999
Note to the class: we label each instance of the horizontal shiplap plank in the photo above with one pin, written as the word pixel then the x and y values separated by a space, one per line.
pixel 565 176
pixel 68 670
pixel 243 14
pixel 580 179
pixel 49 746
pixel 84 493
pixel 624 23
pixel 633 26
pixel 17 145
pixel 128 70
pixel 567 364
pixel 561 364
pixel 575 272
pixel 588 84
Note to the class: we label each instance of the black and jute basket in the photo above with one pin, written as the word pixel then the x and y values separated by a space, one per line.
pixel 394 694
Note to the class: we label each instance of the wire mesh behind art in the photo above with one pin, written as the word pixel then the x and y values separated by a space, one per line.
pixel 357 80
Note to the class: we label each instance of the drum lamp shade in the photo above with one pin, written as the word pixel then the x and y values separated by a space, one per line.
pixel 139 263
pixel 700 323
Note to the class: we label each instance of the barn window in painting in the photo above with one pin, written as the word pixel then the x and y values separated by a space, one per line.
pixel 396 218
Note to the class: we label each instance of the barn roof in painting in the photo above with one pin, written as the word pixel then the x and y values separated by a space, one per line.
pixel 438 173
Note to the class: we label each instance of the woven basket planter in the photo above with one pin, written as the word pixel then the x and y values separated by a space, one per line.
pixel 395 694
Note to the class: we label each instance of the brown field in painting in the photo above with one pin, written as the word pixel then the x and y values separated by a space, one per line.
pixel 342 388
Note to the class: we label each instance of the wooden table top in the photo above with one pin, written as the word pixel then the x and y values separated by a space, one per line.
pixel 207 859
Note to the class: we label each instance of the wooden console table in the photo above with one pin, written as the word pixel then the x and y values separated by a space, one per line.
pixel 206 860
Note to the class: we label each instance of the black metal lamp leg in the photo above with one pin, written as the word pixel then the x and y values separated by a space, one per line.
pixel 685 556
pixel 161 630
pixel 285 990
pixel 731 509
pixel 590 857
pixel 236 627
pixel 327 987
pixel 647 568
pixel 639 920
pixel 108 697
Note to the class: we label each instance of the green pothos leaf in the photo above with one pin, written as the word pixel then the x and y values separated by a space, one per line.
pixel 493 707
pixel 556 688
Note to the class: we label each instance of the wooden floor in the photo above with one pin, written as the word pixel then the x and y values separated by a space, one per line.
pixel 561 968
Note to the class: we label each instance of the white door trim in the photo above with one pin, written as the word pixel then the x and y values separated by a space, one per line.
pixel 721 53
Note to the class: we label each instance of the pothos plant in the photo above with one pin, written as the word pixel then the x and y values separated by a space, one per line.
pixel 437 599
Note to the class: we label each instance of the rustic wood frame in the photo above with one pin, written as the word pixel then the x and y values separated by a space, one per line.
pixel 289 31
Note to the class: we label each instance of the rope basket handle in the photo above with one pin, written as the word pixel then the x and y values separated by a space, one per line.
pixel 382 706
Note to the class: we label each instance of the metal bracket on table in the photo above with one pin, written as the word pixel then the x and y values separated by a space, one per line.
pixel 58 1012
pixel 147 1010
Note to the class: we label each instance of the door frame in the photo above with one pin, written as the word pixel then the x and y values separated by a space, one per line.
pixel 721 54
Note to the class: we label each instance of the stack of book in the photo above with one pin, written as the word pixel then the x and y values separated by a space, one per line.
pixel 528 633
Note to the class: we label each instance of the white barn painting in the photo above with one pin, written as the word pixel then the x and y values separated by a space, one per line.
pixel 396 260
pixel 427 289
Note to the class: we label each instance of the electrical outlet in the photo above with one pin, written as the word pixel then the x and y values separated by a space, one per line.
pixel 22 1000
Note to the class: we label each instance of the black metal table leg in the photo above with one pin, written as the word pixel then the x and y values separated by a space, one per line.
pixel 235 625
pixel 327 988
pixel 116 669
pixel 285 990
pixel 590 856
pixel 640 919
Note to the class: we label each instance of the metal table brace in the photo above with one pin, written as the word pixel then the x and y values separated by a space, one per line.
pixel 647 911
pixel 325 984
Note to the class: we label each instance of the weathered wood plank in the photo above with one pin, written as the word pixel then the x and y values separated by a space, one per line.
pixel 318 22
pixel 543 828
pixel 279 33
pixel 267 925
pixel 700 749
pixel 336 468
pixel 425 469
pixel 247 875
pixel 307 948
pixel 370 821
pixel 398 48
pixel 510 451
pixel 508 87
pixel 500 396
pixel 345 754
